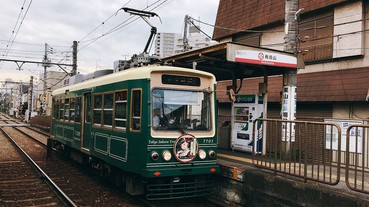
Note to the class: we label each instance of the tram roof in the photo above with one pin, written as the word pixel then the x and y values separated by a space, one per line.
pixel 230 60
pixel 128 74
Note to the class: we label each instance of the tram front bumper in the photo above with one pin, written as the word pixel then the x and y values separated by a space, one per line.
pixel 180 171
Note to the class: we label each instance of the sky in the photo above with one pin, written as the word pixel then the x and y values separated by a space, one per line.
pixel 103 31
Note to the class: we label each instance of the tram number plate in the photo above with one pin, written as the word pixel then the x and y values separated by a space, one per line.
pixel 208 141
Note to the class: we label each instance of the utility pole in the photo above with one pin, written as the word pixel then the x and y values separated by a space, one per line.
pixel 291 25
pixel 74 67
pixel 186 47
pixel 288 109
pixel 46 64
pixel 20 98
pixel 30 100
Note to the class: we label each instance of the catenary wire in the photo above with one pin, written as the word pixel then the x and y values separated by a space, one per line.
pixel 20 25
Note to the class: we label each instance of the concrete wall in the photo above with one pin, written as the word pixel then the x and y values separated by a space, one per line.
pixel 273 38
pixel 259 187
pixel 351 110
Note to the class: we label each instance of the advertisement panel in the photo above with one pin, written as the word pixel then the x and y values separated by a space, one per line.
pixel 356 136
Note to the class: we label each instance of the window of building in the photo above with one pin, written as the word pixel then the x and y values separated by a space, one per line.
pixel 108 110
pixel 97 109
pixel 318 30
pixel 136 110
pixel 120 115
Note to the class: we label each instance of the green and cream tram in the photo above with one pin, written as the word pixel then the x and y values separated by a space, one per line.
pixel 151 128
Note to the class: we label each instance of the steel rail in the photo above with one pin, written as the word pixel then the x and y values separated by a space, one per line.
pixel 56 188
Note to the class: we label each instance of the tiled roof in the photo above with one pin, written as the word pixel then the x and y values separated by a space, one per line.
pixel 338 85
pixel 237 15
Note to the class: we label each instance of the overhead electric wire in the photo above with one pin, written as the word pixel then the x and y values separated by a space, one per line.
pixel 114 14
pixel 274 31
pixel 198 28
pixel 106 33
pixel 239 30
pixel 20 25
pixel 15 26
pixel 121 25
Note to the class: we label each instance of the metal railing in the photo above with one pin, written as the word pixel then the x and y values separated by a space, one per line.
pixel 314 151
pixel 357 158
pixel 306 149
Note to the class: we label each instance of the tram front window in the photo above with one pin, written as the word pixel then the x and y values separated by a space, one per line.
pixel 181 110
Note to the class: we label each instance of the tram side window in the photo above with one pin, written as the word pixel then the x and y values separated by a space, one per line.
pixel 108 110
pixel 55 108
pixel 66 110
pixel 136 110
pixel 120 114
pixel 77 116
pixel 97 109
pixel 72 105
pixel 61 109
pixel 88 108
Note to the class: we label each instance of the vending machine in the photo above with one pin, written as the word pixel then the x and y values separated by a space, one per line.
pixel 245 109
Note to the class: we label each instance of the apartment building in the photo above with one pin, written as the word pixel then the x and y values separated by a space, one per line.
pixel 43 101
pixel 167 44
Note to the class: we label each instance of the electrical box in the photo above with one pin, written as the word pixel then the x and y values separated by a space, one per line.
pixel 245 109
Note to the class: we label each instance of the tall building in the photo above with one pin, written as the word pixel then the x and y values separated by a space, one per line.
pixel 53 81
pixel 333 43
pixel 167 44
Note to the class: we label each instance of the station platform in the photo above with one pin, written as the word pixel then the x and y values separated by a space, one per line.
pixel 243 184
pixel 234 164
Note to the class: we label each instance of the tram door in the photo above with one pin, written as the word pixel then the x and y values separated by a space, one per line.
pixel 86 120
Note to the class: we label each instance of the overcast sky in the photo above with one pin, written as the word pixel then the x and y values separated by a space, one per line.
pixel 60 22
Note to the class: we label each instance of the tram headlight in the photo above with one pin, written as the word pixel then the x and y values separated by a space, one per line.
pixel 167 155
pixel 212 154
pixel 154 156
pixel 202 154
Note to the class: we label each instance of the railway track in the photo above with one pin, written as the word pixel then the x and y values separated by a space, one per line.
pixel 76 181
pixel 82 186
pixel 32 186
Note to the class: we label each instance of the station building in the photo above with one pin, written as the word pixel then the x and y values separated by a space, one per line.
pixel 334 44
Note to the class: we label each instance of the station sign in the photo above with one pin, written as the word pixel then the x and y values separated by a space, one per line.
pixel 264 57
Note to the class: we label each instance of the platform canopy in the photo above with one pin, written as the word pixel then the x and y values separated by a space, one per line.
pixel 231 61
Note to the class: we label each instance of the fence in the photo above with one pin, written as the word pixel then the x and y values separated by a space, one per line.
pixel 357 158
pixel 314 151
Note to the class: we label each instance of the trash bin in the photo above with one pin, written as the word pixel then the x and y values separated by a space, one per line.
pixel 224 135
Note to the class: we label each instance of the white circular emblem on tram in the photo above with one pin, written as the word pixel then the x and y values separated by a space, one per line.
pixel 185 148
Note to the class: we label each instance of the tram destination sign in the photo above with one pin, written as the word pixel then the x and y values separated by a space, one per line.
pixel 181 80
